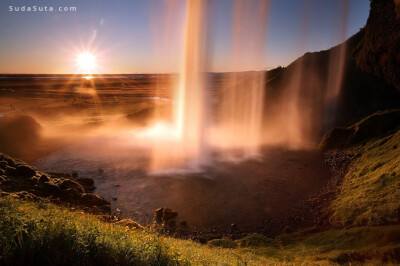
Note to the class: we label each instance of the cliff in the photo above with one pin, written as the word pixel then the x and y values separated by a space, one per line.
pixel 379 51
pixel 370 80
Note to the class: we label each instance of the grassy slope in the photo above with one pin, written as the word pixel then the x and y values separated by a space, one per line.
pixel 370 193
pixel 44 233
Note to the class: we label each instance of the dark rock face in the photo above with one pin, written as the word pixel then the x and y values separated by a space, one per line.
pixel 361 93
pixel 371 79
pixel 379 52
pixel 24 181
pixel 89 199
pixel 397 7
pixel 337 138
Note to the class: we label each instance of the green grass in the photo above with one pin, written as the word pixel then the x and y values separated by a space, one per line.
pixel 42 233
pixel 370 194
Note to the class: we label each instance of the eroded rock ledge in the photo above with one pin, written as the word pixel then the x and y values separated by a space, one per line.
pixel 24 181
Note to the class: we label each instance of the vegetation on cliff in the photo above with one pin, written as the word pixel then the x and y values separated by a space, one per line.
pixel 370 193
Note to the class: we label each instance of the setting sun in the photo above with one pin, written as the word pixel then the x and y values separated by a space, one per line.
pixel 86 62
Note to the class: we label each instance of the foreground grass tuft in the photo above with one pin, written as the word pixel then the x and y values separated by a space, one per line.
pixel 42 233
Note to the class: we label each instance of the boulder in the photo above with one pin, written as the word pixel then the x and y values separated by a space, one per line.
pixel 106 208
pixel 3 164
pixel 169 224
pixel 10 171
pixel 43 179
pixel 20 170
pixel 6 160
pixel 168 214
pixel 158 214
pixel 68 183
pixel 164 214
pixel 87 183
pixel 24 170
pixel 50 189
pixel 93 200
pixel 71 194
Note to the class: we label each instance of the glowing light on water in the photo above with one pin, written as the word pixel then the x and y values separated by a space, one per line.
pixel 160 130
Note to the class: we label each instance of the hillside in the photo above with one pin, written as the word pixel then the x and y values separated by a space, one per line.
pixel 369 194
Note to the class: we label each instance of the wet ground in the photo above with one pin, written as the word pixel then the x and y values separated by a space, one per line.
pixel 245 193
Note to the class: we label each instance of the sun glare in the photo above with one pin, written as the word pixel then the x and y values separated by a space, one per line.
pixel 86 62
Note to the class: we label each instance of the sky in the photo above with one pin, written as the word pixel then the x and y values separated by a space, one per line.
pixel 147 36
